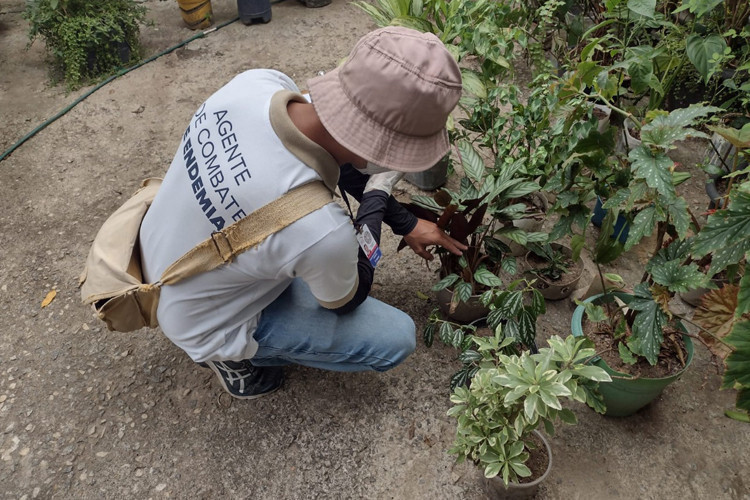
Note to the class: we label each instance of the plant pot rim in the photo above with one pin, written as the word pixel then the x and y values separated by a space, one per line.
pixel 536 482
pixel 557 283
pixel 578 318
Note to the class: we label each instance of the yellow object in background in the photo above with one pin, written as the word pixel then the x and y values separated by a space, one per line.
pixel 197 14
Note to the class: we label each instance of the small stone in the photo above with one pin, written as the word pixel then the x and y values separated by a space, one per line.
pixel 35 492
pixel 139 472
pixel 24 452
pixel 3 398
pixel 102 454
pixel 160 487
pixel 91 430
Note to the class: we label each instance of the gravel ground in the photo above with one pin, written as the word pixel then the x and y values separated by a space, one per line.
pixel 86 413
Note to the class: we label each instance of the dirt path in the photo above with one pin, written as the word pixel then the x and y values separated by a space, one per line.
pixel 86 413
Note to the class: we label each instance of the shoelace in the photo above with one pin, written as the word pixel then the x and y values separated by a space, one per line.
pixel 237 375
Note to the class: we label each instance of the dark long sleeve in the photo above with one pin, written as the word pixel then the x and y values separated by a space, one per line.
pixel 400 220
pixel 372 208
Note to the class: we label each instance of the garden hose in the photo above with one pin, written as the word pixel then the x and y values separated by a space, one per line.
pixel 119 73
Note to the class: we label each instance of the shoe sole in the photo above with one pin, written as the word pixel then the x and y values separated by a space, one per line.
pixel 314 4
pixel 224 386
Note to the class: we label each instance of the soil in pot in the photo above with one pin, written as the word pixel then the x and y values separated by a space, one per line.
pixel 539 462
pixel 550 288
pixel 672 358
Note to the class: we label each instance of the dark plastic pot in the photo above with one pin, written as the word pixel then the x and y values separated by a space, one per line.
pixel 254 10
pixel 432 178
pixel 466 312
pixel 497 489
pixel 621 224
pixel 624 395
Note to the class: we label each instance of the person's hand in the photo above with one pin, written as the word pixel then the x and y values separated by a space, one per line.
pixel 383 181
pixel 425 234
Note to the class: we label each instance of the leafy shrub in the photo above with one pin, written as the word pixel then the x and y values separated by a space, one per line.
pixel 86 38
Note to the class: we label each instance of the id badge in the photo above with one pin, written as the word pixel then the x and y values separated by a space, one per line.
pixel 368 245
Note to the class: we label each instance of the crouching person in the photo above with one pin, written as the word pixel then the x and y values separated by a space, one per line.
pixel 301 296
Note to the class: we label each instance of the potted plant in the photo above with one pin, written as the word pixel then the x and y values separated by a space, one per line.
pixel 643 332
pixel 724 314
pixel 727 162
pixel 557 273
pixel 479 213
pixel 509 398
pixel 513 310
pixel 86 38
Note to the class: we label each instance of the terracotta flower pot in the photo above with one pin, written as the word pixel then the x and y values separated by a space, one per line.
pixel 556 290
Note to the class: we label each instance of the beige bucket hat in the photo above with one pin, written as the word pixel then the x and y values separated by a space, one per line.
pixel 389 101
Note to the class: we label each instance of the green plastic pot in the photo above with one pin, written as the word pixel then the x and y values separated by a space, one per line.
pixel 624 396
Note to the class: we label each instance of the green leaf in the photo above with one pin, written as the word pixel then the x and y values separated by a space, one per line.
pixel 492 469
pixel 641 71
pixel 726 234
pixel 429 334
pixel 698 7
pixel 513 233
pixel 679 278
pixel 568 416
pixel 527 327
pixel 446 332
pixel 701 51
pixel 679 216
pixel 510 303
pixel 577 242
pixel 595 313
pixel 486 277
pixel 538 306
pixel 463 291
pixel 509 265
pixel 643 225
pixel 740 416
pixel 738 138
pixel 522 189
pixel 520 469
pixel 648 324
pixel 645 8
pixel 472 83
pixel 626 355
pixel 654 168
pixel 738 362
pixel 665 130
pixel 592 373
pixel 445 282
pixel 743 297
pixel 471 161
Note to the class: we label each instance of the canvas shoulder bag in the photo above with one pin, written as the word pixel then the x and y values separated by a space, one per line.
pixel 112 280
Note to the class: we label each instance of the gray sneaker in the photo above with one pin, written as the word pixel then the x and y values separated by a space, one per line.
pixel 242 380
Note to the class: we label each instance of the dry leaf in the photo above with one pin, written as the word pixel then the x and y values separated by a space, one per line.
pixel 716 314
pixel 49 298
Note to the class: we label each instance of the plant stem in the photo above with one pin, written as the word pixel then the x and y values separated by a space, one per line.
pixel 707 332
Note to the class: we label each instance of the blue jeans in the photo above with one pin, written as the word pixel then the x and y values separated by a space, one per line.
pixel 296 329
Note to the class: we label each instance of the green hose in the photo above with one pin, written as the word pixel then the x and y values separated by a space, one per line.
pixel 121 72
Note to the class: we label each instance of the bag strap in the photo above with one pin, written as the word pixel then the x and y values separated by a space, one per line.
pixel 248 232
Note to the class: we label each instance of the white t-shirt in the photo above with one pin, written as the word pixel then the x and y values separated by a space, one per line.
pixel 239 152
